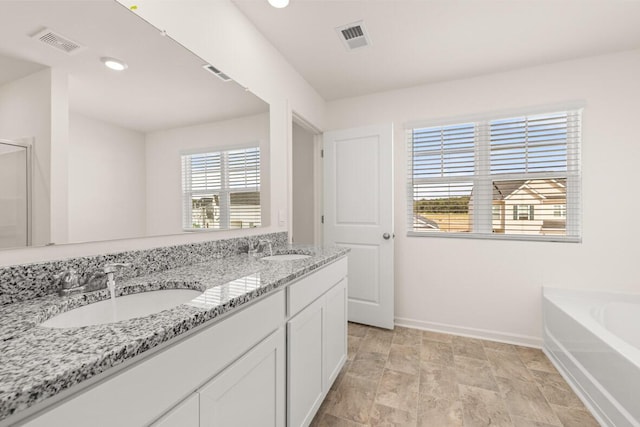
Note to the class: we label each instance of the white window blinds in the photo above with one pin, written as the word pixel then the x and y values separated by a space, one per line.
pixel 221 189
pixel 515 177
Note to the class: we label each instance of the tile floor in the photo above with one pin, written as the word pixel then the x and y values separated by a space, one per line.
pixel 408 377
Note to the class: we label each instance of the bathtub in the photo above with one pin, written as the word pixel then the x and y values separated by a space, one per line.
pixel 593 338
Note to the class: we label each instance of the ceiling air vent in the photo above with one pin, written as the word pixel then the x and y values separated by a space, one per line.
pixel 58 41
pixel 213 70
pixel 354 35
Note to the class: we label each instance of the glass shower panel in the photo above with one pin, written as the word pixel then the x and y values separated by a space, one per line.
pixel 14 193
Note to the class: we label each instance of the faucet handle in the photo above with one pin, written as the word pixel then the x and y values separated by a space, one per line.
pixel 113 267
pixel 67 279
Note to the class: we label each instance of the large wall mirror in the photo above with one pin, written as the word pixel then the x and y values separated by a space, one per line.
pixel 165 146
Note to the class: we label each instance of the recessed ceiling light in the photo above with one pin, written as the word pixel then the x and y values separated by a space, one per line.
pixel 114 64
pixel 279 3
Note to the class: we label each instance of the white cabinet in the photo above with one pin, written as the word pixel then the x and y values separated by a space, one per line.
pixel 185 414
pixel 335 333
pixel 251 392
pixel 305 382
pixel 317 344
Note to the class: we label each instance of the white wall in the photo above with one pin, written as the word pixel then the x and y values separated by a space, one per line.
pixel 493 288
pixel 302 215
pixel 106 171
pixel 25 112
pixel 164 168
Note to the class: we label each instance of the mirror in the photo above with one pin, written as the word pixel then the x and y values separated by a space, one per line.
pixel 108 148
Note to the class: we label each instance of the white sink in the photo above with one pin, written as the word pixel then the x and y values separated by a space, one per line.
pixel 123 308
pixel 286 257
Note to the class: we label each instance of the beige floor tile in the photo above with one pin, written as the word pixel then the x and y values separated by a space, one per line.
pixel 368 365
pixel 408 377
pixel 438 380
pixel 572 417
pixel 482 407
pixel 524 399
pixel 508 365
pixel 380 333
pixel 439 412
pixel 436 352
pixel 329 420
pixel 376 343
pixel 407 336
pixel 404 358
pixel 391 417
pixel 328 400
pixel 523 422
pixel 437 336
pixel 534 358
pixel 469 347
pixel 499 346
pixel 556 390
pixel 357 330
pixel 398 390
pixel 353 345
pixel 474 372
pixel 353 399
pixel 340 377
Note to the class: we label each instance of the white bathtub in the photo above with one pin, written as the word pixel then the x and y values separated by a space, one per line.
pixel 593 338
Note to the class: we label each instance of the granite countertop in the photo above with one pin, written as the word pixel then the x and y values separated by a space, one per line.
pixel 37 362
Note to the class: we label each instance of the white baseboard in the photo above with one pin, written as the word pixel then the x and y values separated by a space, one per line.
pixel 484 334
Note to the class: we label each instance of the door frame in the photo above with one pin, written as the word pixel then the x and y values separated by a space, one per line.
pixel 26 143
pixel 318 190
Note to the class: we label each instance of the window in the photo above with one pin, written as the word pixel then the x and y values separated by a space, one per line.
pixel 221 189
pixel 523 212
pixel 514 177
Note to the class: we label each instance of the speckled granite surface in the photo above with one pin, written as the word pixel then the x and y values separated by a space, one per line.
pixel 27 281
pixel 38 362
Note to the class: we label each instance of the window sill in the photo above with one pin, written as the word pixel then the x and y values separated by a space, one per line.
pixel 512 237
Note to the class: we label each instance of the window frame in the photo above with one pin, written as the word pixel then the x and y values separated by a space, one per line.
pixel 483 178
pixel 225 190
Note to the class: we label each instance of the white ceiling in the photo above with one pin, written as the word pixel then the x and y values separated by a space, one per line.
pixel 164 86
pixel 424 41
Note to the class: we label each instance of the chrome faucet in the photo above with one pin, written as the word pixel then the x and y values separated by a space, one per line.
pixel 254 248
pixel 267 243
pixel 71 283
pixel 68 281
pixel 110 269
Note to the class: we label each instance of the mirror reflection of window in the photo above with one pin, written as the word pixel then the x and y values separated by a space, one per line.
pixel 221 190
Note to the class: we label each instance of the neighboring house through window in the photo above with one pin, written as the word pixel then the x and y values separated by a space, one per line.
pixel 497 177
pixel 221 189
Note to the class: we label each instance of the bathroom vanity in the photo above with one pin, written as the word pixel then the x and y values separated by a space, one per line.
pixel 261 346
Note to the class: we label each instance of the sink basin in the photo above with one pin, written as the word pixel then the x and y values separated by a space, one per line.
pixel 286 257
pixel 123 308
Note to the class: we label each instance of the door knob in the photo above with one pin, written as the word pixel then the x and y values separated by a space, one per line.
pixel 386 236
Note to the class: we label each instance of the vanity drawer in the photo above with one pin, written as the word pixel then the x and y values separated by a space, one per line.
pixel 308 289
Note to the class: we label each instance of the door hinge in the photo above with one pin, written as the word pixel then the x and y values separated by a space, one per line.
pixel 322 154
pixel 322 219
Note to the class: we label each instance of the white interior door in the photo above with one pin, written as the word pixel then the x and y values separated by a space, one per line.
pixel 358 214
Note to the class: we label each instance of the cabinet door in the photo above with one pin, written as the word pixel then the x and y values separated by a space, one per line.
pixel 186 414
pixel 335 332
pixel 251 391
pixel 305 391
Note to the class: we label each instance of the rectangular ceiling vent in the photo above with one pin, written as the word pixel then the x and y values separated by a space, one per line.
pixel 57 41
pixel 213 70
pixel 354 36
